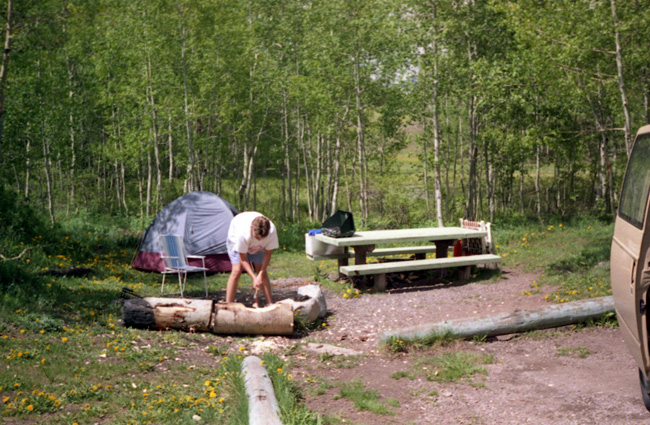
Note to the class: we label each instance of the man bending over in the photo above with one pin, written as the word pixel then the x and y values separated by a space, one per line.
pixel 251 241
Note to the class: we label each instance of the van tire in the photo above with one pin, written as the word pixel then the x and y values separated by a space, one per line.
pixel 645 390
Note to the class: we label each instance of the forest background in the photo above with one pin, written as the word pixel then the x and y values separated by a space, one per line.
pixel 416 111
pixel 408 114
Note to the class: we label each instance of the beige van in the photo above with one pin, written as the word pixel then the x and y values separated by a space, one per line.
pixel 630 258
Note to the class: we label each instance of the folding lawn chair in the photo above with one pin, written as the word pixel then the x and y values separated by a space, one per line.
pixel 176 261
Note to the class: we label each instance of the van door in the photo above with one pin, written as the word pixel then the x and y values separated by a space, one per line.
pixel 630 259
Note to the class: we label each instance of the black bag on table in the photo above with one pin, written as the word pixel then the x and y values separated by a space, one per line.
pixel 340 225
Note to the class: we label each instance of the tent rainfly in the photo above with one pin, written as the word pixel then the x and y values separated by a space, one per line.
pixel 202 219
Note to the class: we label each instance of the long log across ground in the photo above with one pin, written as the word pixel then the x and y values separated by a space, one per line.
pixel 207 316
pixel 263 406
pixel 549 316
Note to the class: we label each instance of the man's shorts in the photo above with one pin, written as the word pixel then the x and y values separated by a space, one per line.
pixel 252 258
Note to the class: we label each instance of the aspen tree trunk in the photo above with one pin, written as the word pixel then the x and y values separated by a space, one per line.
pixel 46 153
pixel 337 162
pixel 249 162
pixel 250 174
pixel 522 201
pixel 295 210
pixel 140 189
pixel 3 69
pixel 71 131
pixel 436 123
pixel 600 121
pixel 154 131
pixel 425 166
pixel 538 192
pixel 149 179
pixel 27 167
pixel 48 174
pixel 621 82
pixel 191 160
pixel 305 164
pixel 472 181
pixel 318 176
pixel 645 79
pixel 326 191
pixel 646 95
pixel 361 145
pixel 241 191
pixel 286 162
pixel 335 173
pixel 123 174
pixel 170 149
pixel 472 190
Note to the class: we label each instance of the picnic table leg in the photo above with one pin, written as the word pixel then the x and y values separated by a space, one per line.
pixel 442 248
pixel 380 282
pixel 361 253
pixel 342 262
pixel 465 272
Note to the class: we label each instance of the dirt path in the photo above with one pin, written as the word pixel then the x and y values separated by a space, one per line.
pixel 564 376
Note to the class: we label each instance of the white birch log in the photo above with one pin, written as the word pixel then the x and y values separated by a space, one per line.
pixel 207 316
pixel 262 404
pixel 236 318
pixel 168 313
pixel 549 316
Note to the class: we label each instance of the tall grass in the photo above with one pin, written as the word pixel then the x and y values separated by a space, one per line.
pixel 572 256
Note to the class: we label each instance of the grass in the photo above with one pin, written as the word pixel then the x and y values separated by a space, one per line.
pixel 580 352
pixel 448 367
pixel 65 358
pixel 401 345
pixel 572 257
pixel 364 399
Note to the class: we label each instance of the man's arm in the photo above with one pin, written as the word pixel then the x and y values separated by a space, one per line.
pixel 246 265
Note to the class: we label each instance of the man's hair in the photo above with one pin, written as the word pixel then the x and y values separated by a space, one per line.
pixel 261 226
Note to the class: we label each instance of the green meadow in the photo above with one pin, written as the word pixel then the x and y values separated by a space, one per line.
pixel 65 358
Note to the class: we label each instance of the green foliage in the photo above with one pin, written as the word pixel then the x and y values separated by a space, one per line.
pixel 363 399
pixel 400 344
pixel 580 352
pixel 20 221
pixel 292 410
pixel 452 367
pixel 448 367
pixel 573 255
pixel 131 104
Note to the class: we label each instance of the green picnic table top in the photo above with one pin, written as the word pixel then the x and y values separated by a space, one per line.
pixel 372 237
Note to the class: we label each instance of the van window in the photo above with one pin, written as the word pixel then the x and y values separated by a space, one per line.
pixel 634 196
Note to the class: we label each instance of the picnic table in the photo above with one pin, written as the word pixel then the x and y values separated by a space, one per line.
pixel 364 243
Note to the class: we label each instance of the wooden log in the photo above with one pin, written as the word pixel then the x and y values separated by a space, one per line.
pixel 549 316
pixel 263 406
pixel 235 318
pixel 168 313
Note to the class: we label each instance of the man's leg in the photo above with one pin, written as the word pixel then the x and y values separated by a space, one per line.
pixel 233 280
pixel 266 286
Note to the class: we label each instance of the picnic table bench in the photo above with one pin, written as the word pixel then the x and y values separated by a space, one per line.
pixel 379 270
pixel 419 251
pixel 363 243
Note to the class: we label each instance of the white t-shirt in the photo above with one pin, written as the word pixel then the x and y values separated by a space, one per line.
pixel 240 235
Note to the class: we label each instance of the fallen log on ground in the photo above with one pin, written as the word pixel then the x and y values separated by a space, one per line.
pixel 549 316
pixel 263 406
pixel 168 313
pixel 236 318
pixel 195 315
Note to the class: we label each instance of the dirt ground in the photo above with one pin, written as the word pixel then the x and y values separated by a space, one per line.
pixel 559 376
